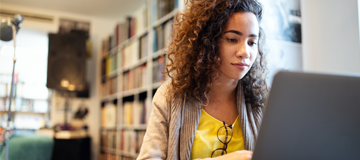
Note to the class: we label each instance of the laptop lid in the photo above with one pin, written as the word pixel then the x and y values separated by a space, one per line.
pixel 311 116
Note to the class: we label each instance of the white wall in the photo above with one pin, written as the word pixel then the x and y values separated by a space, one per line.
pixel 330 31
pixel 100 28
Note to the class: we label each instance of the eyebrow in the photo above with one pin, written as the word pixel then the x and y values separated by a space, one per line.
pixel 239 33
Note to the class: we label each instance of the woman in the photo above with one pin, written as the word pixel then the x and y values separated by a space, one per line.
pixel 212 106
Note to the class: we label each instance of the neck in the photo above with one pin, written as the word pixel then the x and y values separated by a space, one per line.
pixel 223 91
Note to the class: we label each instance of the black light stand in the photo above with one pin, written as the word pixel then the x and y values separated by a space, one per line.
pixel 5 34
pixel 67 95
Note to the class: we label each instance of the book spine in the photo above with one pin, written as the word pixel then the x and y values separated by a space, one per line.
pixel 154 14
pixel 155 41
pixel 132 26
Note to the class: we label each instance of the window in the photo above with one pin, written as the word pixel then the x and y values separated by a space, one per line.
pixel 31 93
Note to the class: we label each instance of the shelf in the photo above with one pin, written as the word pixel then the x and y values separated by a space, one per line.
pixel 159 53
pixel 19 112
pixel 157 85
pixel 127 154
pixel 112 74
pixel 110 97
pixel 113 51
pixel 134 95
pixel 142 89
pixel 109 150
pixel 135 37
pixel 134 91
pixel 133 127
pixel 119 152
pixel 7 98
pixel 132 66
pixel 165 18
pixel 145 31
pixel 142 60
pixel 128 93
pixel 107 128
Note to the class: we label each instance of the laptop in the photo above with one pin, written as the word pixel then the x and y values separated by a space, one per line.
pixel 311 116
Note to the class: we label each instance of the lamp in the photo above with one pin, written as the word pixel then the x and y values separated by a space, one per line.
pixel 8 29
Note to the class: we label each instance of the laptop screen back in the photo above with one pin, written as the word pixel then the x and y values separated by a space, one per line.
pixel 311 116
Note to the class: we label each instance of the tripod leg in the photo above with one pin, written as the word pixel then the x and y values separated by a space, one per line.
pixel 7 147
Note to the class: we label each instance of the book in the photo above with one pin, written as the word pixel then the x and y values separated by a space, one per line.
pixel 114 85
pixel 141 20
pixel 167 33
pixel 125 81
pixel 108 66
pixel 118 60
pixel 108 139
pixel 131 54
pixel 158 68
pixel 132 26
pixel 140 76
pixel 164 7
pixel 143 46
pixel 160 37
pixel 103 70
pixel 131 141
pixel 128 113
pixel 154 16
pixel 155 41
pixel 136 112
pixel 108 115
pixel 119 31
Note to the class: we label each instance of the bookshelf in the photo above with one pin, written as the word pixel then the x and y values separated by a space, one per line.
pixel 29 111
pixel 132 59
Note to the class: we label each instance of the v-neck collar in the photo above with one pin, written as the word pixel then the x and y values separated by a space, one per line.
pixel 203 110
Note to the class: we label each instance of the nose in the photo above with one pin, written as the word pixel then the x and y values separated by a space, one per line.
pixel 243 51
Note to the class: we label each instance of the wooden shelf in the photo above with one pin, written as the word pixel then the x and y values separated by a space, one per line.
pixel 110 97
pixel 113 51
pixel 127 154
pixel 108 128
pixel 119 152
pixel 112 74
pixel 142 61
pixel 133 127
pixel 134 91
pixel 20 112
pixel 134 38
pixel 109 150
pixel 159 53
pixel 137 64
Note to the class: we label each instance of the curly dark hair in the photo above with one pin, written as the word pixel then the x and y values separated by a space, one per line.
pixel 194 53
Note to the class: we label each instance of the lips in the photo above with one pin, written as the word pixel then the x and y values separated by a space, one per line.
pixel 241 66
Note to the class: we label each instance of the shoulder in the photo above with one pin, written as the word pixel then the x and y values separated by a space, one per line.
pixel 161 93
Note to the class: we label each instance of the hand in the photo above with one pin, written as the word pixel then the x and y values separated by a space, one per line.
pixel 237 155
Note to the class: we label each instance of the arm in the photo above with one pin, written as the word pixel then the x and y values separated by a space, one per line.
pixel 237 155
pixel 156 138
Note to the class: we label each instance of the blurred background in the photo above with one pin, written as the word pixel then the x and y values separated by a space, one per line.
pixel 86 70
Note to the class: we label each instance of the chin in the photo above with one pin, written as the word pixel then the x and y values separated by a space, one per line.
pixel 238 77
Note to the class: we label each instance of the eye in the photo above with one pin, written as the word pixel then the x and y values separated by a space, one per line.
pixel 232 40
pixel 252 43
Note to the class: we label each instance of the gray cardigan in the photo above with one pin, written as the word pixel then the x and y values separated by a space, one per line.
pixel 171 129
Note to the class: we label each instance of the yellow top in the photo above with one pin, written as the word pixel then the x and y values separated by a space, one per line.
pixel 206 140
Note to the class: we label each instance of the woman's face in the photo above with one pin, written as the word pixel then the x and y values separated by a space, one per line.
pixel 238 45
